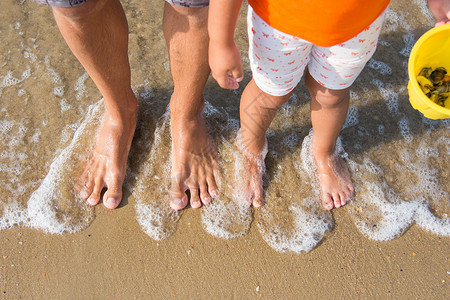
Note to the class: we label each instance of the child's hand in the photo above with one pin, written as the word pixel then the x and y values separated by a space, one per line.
pixel 225 63
pixel 440 10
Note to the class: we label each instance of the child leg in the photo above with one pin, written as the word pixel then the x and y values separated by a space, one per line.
pixel 331 72
pixel 257 110
pixel 328 112
pixel 277 61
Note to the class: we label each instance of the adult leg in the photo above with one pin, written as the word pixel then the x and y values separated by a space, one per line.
pixel 257 111
pixel 328 112
pixel 194 155
pixel 97 34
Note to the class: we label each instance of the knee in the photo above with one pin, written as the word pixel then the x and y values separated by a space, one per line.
pixel 78 13
pixel 196 17
pixel 253 96
pixel 262 102
pixel 276 102
pixel 330 99
pixel 326 98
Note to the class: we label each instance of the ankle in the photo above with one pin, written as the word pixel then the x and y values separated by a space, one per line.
pixel 125 108
pixel 186 108
pixel 322 158
pixel 252 147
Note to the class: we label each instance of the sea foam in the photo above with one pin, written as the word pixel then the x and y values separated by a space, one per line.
pixel 54 206
pixel 152 187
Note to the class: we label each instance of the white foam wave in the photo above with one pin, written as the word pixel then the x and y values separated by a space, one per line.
pixel 153 212
pixel 409 40
pixel 382 214
pixel 403 124
pixel 80 86
pixel 229 215
pixel 308 230
pixel 352 118
pixel 156 218
pixel 43 210
pixel 309 222
pixel 395 215
pixel 425 219
pixel 290 140
pixel 226 219
pixel 423 6
pixel 9 80
pixel 13 215
pixel 382 67
pixel 55 78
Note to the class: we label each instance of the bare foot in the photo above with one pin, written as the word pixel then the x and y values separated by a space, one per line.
pixel 194 163
pixel 251 171
pixel 256 171
pixel 107 165
pixel 336 187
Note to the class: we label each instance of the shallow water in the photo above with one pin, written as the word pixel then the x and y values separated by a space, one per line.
pixel 50 111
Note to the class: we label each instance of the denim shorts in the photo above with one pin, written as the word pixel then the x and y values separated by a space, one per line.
pixel 70 3
pixel 61 3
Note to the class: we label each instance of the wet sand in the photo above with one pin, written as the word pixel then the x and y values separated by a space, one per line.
pixel 114 258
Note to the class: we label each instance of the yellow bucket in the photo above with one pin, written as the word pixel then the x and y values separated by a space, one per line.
pixel 431 50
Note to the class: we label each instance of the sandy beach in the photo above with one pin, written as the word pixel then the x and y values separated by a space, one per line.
pixel 114 259
pixel 387 248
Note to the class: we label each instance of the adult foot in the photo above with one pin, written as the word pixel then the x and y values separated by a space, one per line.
pixel 336 187
pixel 194 163
pixel 107 166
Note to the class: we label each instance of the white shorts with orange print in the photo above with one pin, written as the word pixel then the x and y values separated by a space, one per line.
pixel 278 60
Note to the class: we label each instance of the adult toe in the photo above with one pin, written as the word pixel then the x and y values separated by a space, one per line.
pixel 212 187
pixel 94 197
pixel 178 203
pixel 195 197
pixel 113 196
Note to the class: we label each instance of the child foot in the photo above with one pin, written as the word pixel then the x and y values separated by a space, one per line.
pixel 336 187
pixel 251 171
pixel 255 181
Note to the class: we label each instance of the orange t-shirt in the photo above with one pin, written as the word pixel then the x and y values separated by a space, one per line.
pixel 322 22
